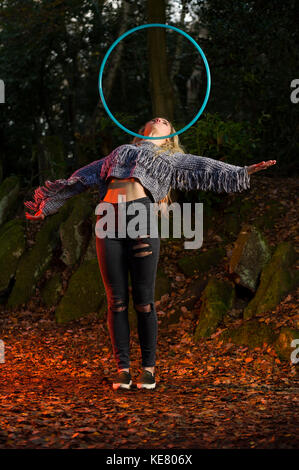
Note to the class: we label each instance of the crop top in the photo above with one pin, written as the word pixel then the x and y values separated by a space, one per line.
pixel 157 173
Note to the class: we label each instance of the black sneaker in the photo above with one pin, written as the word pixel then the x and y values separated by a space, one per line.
pixel 146 380
pixel 123 380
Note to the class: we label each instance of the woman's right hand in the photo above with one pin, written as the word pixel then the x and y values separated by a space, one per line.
pixel 39 215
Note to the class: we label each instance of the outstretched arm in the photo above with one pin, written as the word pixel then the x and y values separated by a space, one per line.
pixel 50 198
pixel 196 172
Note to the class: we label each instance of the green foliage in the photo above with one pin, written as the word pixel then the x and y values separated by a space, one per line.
pixel 50 57
pixel 253 47
pixel 225 140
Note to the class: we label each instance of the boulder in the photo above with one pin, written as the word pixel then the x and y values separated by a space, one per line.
pixel 201 262
pixel 12 246
pixel 217 299
pixel 277 279
pixel 9 191
pixel 251 333
pixel 85 294
pixel 249 256
pixel 51 292
pixel 91 252
pixel 71 231
pixel 36 260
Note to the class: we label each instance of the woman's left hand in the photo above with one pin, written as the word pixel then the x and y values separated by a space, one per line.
pixel 260 166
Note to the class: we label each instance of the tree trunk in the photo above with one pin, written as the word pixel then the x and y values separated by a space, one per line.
pixel 161 88
pixel 96 116
pixel 177 59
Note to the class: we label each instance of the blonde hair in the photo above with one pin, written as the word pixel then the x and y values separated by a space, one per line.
pixel 173 145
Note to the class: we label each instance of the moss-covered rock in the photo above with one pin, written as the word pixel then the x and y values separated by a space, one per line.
pixel 277 279
pixel 250 254
pixel 85 294
pixel 91 251
pixel 52 289
pixel 71 234
pixel 282 344
pixel 36 260
pixel 9 191
pixel 201 262
pixel 217 299
pixel 12 246
pixel 251 333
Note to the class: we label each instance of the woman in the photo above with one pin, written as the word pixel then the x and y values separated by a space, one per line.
pixel 143 172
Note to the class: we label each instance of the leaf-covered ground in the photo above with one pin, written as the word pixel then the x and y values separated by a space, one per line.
pixel 55 388
pixel 55 391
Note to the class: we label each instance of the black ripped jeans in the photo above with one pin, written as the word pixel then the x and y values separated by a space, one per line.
pixel 137 255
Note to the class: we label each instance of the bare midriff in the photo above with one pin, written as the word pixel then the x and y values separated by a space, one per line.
pixel 124 189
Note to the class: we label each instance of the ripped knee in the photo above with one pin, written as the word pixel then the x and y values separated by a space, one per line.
pixel 139 244
pixel 118 306
pixel 143 308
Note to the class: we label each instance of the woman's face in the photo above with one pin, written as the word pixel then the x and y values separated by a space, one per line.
pixel 157 126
